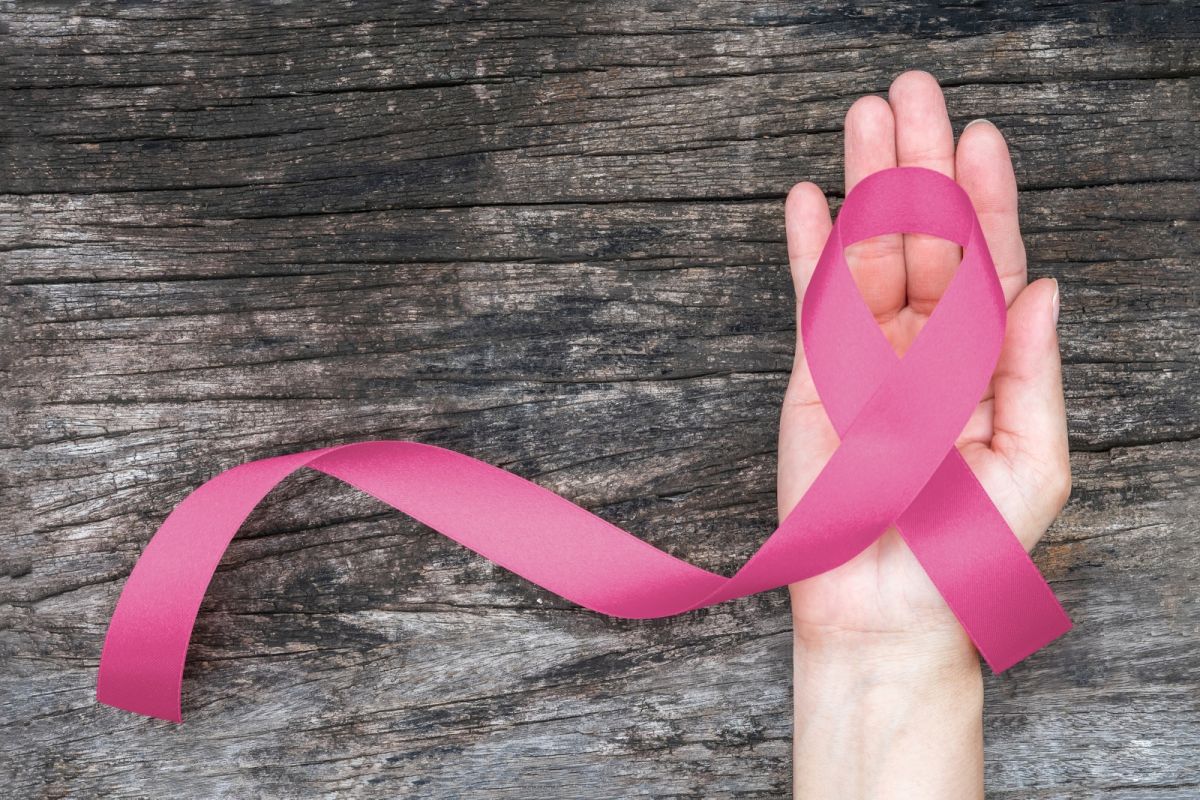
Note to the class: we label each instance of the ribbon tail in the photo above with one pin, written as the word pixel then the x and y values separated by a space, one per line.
pixel 980 568
pixel 511 521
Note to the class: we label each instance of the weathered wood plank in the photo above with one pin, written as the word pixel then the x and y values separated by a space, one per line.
pixel 553 295
pixel 738 137
pixel 548 102
pixel 529 231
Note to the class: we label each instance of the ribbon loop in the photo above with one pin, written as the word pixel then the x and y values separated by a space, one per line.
pixel 896 465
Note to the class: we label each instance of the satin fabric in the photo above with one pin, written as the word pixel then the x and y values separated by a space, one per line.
pixel 896 464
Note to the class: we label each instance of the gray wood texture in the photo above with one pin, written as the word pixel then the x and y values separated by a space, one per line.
pixel 548 235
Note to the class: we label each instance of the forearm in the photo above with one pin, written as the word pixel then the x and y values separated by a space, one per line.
pixel 886 719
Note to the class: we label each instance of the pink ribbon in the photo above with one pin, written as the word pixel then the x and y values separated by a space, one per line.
pixel 897 464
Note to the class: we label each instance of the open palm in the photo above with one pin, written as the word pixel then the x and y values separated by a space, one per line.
pixel 1015 441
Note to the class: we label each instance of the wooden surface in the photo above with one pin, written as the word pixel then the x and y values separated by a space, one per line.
pixel 531 231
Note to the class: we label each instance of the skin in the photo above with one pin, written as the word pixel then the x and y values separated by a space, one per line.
pixel 888 688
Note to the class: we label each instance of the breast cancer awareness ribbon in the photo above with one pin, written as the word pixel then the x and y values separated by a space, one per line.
pixel 896 464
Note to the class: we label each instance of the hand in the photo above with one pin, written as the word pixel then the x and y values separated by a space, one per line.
pixel 878 618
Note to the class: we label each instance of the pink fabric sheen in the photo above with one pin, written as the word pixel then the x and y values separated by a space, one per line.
pixel 897 464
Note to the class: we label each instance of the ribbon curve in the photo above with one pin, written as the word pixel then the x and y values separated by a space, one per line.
pixel 897 464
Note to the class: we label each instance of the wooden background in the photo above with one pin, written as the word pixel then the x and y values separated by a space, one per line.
pixel 551 236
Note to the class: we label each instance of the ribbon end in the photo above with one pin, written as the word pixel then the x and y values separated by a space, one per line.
pixel 1010 657
pixel 138 704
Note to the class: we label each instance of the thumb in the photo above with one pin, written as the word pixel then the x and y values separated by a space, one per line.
pixel 1030 422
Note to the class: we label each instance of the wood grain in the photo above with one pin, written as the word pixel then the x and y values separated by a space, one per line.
pixel 550 236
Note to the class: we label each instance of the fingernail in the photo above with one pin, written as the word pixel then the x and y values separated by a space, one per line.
pixel 972 122
pixel 1056 302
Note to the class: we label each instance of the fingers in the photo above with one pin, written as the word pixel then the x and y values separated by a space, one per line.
pixel 807 224
pixel 870 139
pixel 985 171
pixel 1030 424
pixel 805 435
pixel 877 264
pixel 924 138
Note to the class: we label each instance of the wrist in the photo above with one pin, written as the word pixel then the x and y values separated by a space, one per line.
pixel 885 715
pixel 897 641
pixel 939 655
pixel 893 677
